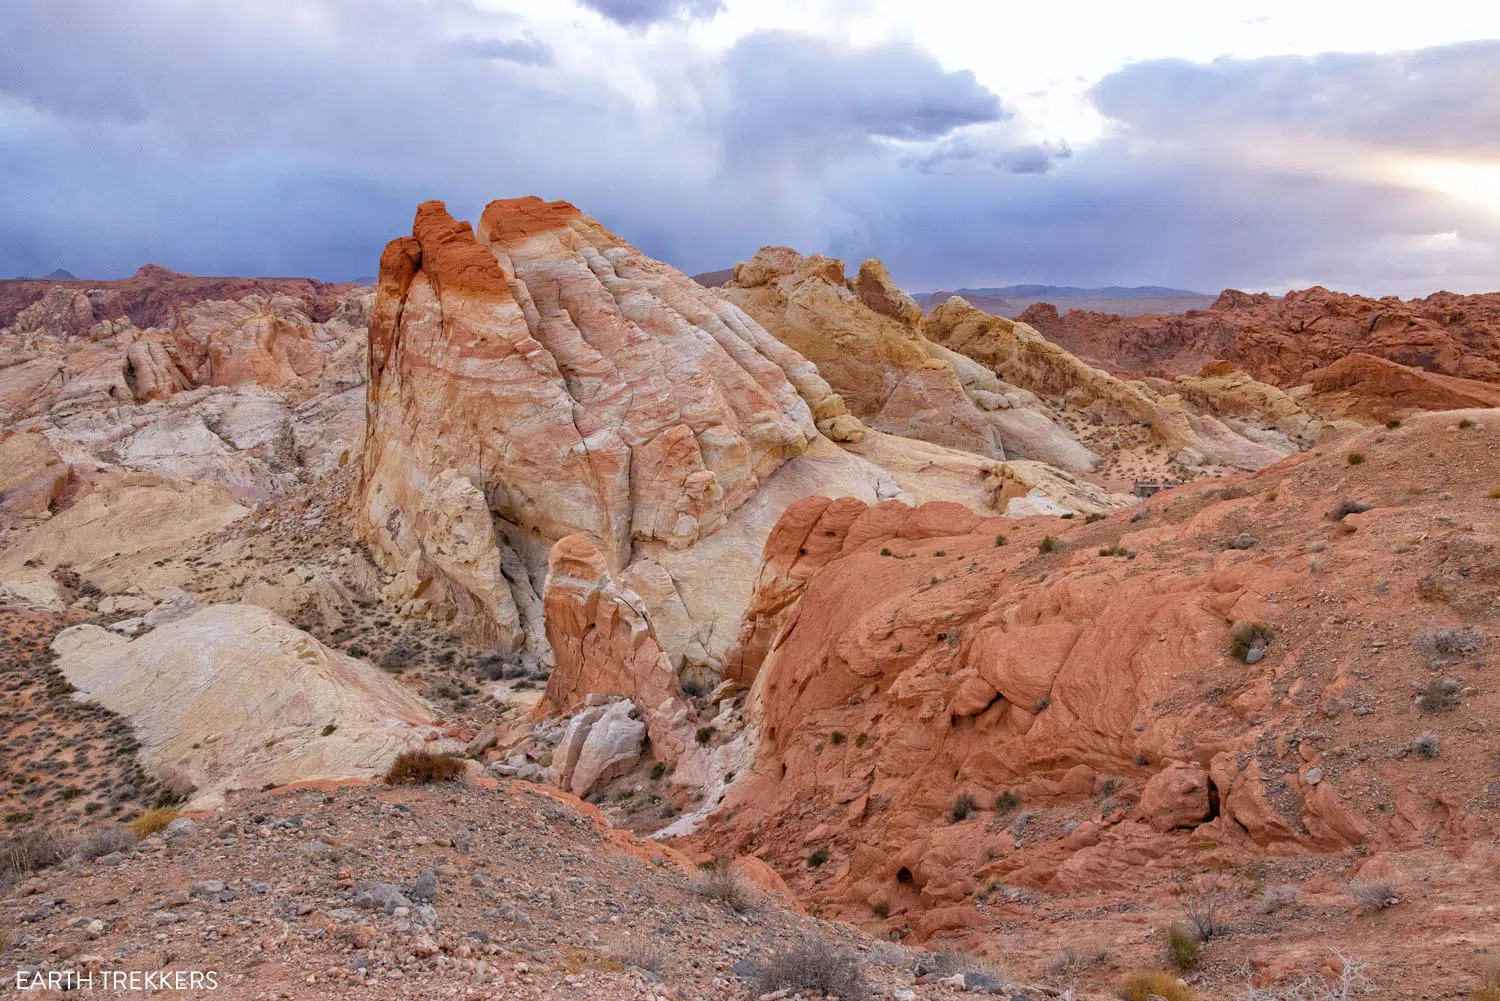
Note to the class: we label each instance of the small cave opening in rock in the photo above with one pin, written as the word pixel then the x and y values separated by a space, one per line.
pixel 1213 801
pixel 903 875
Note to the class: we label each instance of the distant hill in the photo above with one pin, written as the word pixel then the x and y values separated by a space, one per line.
pixel 713 279
pixel 1012 300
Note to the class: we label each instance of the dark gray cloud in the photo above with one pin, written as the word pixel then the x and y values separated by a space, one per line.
pixel 788 93
pixel 641 13
pixel 1439 99
pixel 297 136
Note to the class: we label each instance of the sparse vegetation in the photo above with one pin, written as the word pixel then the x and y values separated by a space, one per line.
pixel 812 965
pixel 1277 897
pixel 643 952
pixel 1205 913
pixel 704 735
pixel 1348 983
pixel 1374 894
pixel 328 730
pixel 101 841
pixel 882 910
pixel 1007 802
pixel 861 739
pixel 423 768
pixel 1140 985
pixel 1096 516
pixel 153 821
pixel 999 541
pixel 1112 551
pixel 962 808
pixel 1465 423
pixel 1488 975
pixel 1356 458
pixel 1440 695
pixel 836 738
pixel 1392 424
pixel 719 881
pixel 817 857
pixel 1075 956
pixel 1183 946
pixel 27 851
pixel 1448 643
pixel 1425 746
pixel 1248 636
pixel 1049 544
pixel 1348 507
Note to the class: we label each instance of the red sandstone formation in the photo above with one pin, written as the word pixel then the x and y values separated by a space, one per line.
pixel 1282 340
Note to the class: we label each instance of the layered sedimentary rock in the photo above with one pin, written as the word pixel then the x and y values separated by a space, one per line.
pixel 232 697
pixel 1281 340
pixel 863 333
pixel 1022 356
pixel 1364 386
pixel 900 661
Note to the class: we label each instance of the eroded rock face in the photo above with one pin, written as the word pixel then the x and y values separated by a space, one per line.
pixel 602 642
pixel 580 387
pixel 231 696
pixel 1083 692
pixel 862 335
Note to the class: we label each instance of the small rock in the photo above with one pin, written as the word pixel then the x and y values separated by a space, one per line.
pixel 981 982
pixel 207 888
pixel 425 888
pixel 113 858
pixel 1254 654
pixel 182 827
pixel 1314 776
pixel 904 994
pixel 1244 541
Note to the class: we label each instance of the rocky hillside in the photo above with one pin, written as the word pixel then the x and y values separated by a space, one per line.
pixel 1281 340
pixel 785 575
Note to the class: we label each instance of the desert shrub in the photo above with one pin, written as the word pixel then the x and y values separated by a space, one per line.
pixel 882 910
pixel 1096 516
pixel 1356 458
pixel 152 822
pixel 423 768
pixel 1007 802
pixel 1392 424
pixel 951 962
pixel 704 735
pixel 817 857
pixel 1183 946
pixel 720 882
pixel 1440 695
pixel 328 730
pixel 1076 956
pixel 643 952
pixel 811 965
pixel 962 808
pixel 1139 985
pixel 658 770
pixel 1277 897
pixel 1425 746
pixel 1348 507
pixel 1448 643
pixel 1374 894
pixel 1049 544
pixel 1205 913
pixel 1247 636
pixel 1347 984
pixel 101 841
pixel 1466 423
pixel 860 740
pixel 836 738
pixel 27 851
pixel 1488 975
pixel 999 541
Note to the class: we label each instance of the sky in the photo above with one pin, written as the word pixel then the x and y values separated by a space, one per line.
pixel 1257 145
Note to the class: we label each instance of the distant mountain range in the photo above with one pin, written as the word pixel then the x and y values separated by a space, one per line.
pixel 1134 300
pixel 1073 292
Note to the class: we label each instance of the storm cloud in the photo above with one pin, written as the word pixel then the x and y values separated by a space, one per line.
pixel 297 136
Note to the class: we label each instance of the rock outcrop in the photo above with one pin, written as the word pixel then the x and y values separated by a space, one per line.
pixel 864 335
pixel 1081 695
pixel 1022 356
pixel 1281 340
pixel 232 697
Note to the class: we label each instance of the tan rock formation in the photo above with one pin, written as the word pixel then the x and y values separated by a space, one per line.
pixel 1022 356
pixel 232 697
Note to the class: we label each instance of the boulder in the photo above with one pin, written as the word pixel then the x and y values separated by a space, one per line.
pixel 1176 796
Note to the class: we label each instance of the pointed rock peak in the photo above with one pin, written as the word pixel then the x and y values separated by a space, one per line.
pixel 509 221
pixel 452 258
